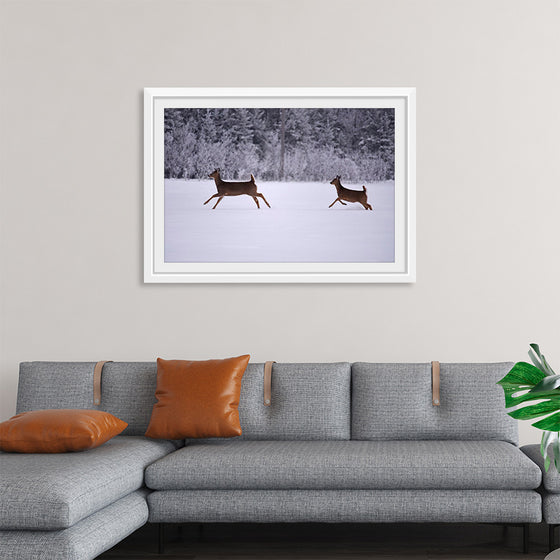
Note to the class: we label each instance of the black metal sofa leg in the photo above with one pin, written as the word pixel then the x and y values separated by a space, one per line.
pixel 161 538
pixel 551 543
pixel 525 538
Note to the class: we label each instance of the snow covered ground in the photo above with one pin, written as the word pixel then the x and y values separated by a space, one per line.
pixel 300 226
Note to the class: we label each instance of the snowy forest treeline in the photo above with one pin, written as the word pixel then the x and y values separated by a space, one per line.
pixel 281 144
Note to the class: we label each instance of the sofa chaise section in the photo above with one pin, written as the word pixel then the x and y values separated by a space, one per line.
pixel 44 491
pixel 74 506
pixel 85 540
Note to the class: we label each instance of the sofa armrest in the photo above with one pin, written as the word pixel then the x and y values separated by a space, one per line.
pixel 551 479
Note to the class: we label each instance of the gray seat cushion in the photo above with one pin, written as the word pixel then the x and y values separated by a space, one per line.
pixel 551 508
pixel 551 479
pixel 551 484
pixel 54 491
pixel 271 465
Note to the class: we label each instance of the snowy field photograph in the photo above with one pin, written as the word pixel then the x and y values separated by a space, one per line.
pixel 299 226
pixel 279 185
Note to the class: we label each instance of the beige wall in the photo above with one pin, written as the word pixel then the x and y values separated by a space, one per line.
pixel 488 236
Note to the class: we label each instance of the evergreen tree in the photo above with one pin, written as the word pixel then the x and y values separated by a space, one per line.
pixel 299 144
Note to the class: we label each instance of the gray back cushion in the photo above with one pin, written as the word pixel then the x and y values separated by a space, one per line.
pixel 127 389
pixel 45 385
pixel 309 401
pixel 394 401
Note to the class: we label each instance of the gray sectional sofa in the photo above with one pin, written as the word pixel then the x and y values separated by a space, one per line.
pixel 340 442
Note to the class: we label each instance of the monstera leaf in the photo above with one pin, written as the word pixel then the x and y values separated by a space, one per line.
pixel 526 383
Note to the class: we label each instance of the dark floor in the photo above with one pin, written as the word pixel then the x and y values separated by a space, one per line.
pixel 330 542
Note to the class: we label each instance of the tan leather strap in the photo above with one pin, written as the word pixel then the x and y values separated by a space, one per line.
pixel 268 383
pixel 435 384
pixel 97 381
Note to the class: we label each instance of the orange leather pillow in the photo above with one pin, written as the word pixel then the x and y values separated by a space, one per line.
pixel 197 399
pixel 58 431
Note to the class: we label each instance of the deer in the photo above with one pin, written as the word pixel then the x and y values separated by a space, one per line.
pixel 234 188
pixel 349 195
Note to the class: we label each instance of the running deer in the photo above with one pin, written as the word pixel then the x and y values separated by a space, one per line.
pixel 229 188
pixel 350 195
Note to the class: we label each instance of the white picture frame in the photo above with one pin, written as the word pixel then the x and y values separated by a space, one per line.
pixel 402 269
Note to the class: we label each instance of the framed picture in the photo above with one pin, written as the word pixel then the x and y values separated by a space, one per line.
pixel 279 185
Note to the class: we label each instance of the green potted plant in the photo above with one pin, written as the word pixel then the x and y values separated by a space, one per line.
pixel 526 383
